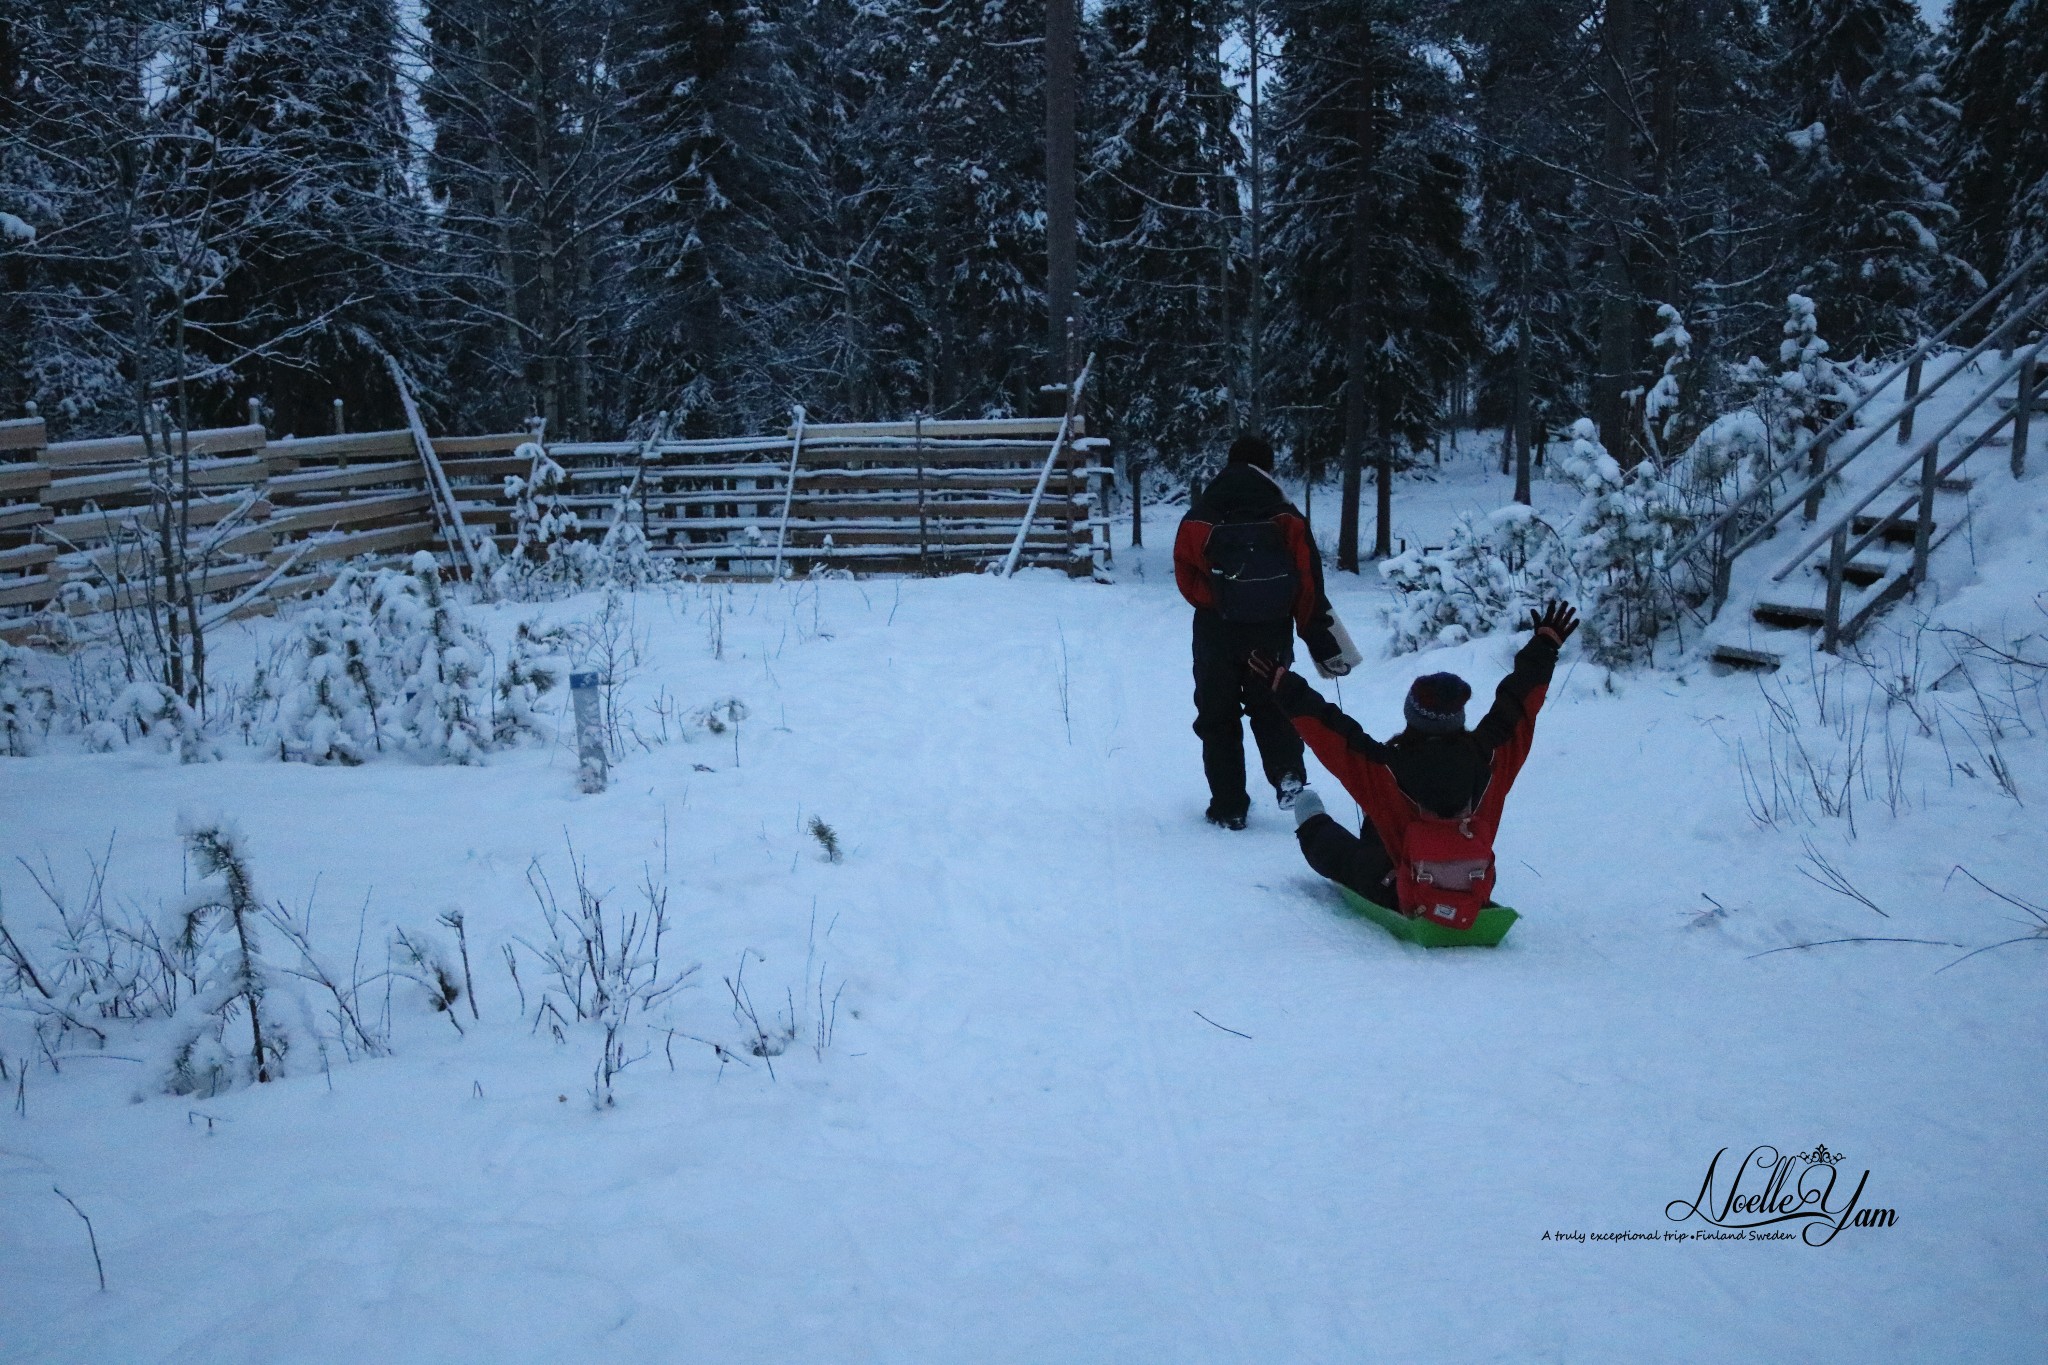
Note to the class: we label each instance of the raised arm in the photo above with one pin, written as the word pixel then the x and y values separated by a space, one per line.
pixel 1512 718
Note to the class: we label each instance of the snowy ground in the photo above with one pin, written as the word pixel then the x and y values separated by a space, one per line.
pixel 1037 1133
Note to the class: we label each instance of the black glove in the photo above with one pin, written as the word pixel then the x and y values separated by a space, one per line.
pixel 1267 669
pixel 1558 620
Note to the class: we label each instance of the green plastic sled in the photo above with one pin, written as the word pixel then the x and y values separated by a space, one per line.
pixel 1486 932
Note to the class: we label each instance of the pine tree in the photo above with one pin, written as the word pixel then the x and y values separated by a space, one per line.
pixel 1373 267
pixel 1997 77
pixel 1862 159
pixel 298 106
pixel 1159 200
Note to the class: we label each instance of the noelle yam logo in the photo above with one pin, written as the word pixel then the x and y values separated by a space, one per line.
pixel 1770 1193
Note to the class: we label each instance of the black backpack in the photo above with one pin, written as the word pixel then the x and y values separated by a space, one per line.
pixel 1253 572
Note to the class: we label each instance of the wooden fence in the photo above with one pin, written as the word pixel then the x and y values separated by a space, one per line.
pixel 277 517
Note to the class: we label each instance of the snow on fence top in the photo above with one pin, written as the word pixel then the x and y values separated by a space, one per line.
pixel 274 518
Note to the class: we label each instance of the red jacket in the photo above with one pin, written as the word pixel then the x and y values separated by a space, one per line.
pixel 1445 774
pixel 1242 493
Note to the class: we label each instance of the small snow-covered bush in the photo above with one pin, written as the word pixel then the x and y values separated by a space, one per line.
pixel 1494 571
pixel 530 673
pixel 549 555
pixel 439 702
pixel 26 705
pixel 217 923
pixel 1609 558
pixel 1621 539
pixel 149 710
pixel 328 710
pixel 385 659
pixel 603 965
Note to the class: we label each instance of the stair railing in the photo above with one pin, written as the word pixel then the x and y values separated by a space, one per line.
pixel 1813 451
pixel 1841 551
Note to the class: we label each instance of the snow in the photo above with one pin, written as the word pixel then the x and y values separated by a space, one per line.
pixel 1031 1137
pixel 13 229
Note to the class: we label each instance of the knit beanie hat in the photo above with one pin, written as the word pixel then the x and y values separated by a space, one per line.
pixel 1436 704
pixel 1254 450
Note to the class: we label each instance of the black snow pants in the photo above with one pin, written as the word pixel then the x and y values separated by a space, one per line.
pixel 1360 863
pixel 1227 692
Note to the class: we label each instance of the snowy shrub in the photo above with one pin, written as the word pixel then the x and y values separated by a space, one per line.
pixel 439 701
pixel 181 978
pixel 26 706
pixel 542 527
pixel 422 958
pixel 1621 538
pixel 328 709
pixel 603 965
pixel 1661 405
pixel 229 985
pixel 149 710
pixel 1494 571
pixel 529 674
pixel 549 555
pixel 1609 558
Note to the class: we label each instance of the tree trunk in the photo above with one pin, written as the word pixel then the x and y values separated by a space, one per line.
pixel 1520 418
pixel 1383 436
pixel 1061 96
pixel 1618 297
pixel 1357 351
pixel 1254 309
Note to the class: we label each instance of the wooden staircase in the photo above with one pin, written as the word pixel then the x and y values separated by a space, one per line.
pixel 1872 525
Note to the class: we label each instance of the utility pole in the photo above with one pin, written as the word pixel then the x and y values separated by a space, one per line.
pixel 1062 21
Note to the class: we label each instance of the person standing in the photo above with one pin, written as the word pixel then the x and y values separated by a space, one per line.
pixel 1244 560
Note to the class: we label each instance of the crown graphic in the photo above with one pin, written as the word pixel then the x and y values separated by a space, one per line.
pixel 1820 1155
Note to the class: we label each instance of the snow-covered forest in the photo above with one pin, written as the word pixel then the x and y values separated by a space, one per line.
pixel 747 893
pixel 594 210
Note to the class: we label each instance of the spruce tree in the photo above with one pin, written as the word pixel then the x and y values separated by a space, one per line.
pixel 1373 267
pixel 1160 205
pixel 1997 78
pixel 1861 161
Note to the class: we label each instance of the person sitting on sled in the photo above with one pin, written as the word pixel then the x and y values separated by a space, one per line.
pixel 1432 794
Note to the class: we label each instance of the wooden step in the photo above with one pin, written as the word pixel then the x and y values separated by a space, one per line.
pixel 1957 483
pixel 1748 660
pixel 2007 402
pixel 1788 615
pixel 1860 572
pixel 1900 532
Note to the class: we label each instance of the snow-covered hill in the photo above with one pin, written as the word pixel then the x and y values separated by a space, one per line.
pixel 1102 1083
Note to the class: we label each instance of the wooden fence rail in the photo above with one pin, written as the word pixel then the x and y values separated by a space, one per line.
pixel 935 497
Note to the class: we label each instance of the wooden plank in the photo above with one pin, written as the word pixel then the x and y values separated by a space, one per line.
pixel 363 445
pixel 330 478
pixel 1049 427
pixel 23 478
pixel 24 515
pixel 906 456
pixel 29 592
pixel 27 557
pixel 935 509
pixel 117 483
pixel 494 469
pixel 129 449
pixel 415 535
pixel 23 433
pixel 891 475
pixel 321 516
pixel 98 525
pixel 480 445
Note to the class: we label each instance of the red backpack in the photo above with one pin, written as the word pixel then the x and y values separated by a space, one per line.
pixel 1445 869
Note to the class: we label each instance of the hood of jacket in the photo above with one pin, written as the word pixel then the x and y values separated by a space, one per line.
pixel 1241 492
